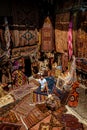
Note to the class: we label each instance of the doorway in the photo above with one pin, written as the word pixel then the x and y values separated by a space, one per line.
pixel 27 67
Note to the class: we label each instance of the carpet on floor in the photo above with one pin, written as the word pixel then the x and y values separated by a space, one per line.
pixel 9 126
pixel 34 116
pixel 74 95
pixel 21 91
pixel 80 111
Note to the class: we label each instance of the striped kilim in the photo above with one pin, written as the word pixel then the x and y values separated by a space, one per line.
pixel 34 117
pixel 37 98
pixel 23 107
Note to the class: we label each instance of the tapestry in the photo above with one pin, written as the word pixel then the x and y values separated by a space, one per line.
pixel 61 31
pixel 24 37
pixel 81 43
pixel 81 37
pixel 47 38
pixel 24 29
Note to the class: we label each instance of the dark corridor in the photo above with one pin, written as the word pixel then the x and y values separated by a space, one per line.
pixel 27 67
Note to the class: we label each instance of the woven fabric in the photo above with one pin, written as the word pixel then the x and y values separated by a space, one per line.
pixel 9 126
pixel 22 91
pixel 38 98
pixel 47 36
pixel 5 100
pixel 18 78
pixel 74 95
pixel 23 107
pixel 9 117
pixel 71 122
pixel 24 37
pixel 34 117
pixel 61 25
pixel 70 47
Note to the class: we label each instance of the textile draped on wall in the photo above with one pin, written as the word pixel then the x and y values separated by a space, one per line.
pixel 61 31
pixel 23 42
pixel 47 36
pixel 81 42
pixel 24 51
pixel 24 37
pixel 24 24
pixel 23 29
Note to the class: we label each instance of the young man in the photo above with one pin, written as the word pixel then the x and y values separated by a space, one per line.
pixel 43 83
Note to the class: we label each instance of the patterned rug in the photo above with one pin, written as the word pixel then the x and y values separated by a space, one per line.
pixel 71 122
pixel 9 117
pixel 9 126
pixel 81 110
pixel 74 95
pixel 5 100
pixel 58 121
pixel 34 117
pixel 21 92
pixel 38 98
pixel 39 124
pixel 23 107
